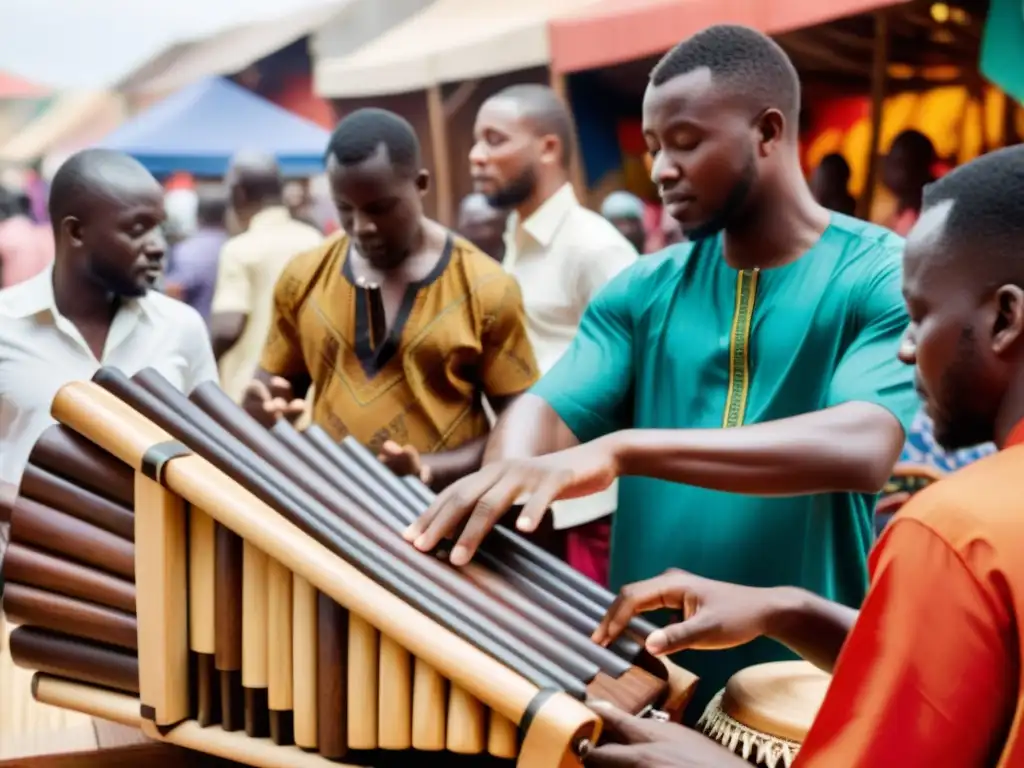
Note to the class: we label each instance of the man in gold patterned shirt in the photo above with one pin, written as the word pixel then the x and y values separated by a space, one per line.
pixel 402 327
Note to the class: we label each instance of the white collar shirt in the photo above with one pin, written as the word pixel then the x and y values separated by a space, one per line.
pixel 41 351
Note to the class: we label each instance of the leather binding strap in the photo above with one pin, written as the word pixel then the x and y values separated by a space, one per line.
pixel 533 708
pixel 155 460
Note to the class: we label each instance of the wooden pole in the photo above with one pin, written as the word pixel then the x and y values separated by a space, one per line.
pixel 879 77
pixel 442 161
pixel 459 98
pixel 560 86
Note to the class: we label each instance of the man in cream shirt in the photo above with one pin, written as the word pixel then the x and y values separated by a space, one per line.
pixel 561 253
pixel 93 305
pixel 250 264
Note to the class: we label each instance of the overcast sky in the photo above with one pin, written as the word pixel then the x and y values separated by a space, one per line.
pixel 90 43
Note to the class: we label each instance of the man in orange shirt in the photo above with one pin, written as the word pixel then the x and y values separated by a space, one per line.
pixel 928 673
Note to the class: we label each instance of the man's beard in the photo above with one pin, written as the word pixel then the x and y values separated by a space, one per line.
pixel 732 208
pixel 516 191
pixel 957 422
pixel 113 282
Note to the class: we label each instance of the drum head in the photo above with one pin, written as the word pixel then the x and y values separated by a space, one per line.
pixel 779 699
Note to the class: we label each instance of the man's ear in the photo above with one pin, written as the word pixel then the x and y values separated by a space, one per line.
pixel 1009 322
pixel 552 150
pixel 771 128
pixel 71 226
pixel 423 181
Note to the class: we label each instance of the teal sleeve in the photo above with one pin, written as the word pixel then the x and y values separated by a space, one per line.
pixel 591 385
pixel 869 370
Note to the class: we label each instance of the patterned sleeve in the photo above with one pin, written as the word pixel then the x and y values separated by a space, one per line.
pixel 509 366
pixel 282 353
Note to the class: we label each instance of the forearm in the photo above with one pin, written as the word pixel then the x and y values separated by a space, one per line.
pixel 449 466
pixel 851 447
pixel 529 427
pixel 809 625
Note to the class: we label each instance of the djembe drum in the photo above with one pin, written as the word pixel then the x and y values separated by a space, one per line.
pixel 765 711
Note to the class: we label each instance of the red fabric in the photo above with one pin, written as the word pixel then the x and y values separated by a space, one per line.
pixel 297 96
pixel 1016 436
pixel 616 31
pixel 921 680
pixel 587 549
pixel 930 674
pixel 180 180
pixel 13 87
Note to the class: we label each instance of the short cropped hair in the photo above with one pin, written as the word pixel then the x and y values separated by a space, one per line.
pixel 86 173
pixel 743 59
pixel 212 208
pixel 548 114
pixel 360 135
pixel 987 196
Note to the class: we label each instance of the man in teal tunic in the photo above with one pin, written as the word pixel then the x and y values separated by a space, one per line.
pixel 744 385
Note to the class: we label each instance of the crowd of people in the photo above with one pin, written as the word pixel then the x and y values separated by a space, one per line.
pixel 706 428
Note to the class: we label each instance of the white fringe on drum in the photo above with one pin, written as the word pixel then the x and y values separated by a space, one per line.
pixel 769 751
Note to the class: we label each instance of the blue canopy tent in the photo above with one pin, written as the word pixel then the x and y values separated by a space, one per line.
pixel 200 128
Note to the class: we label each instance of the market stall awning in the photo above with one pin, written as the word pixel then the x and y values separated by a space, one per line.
pixel 448 41
pixel 614 31
pixel 227 52
pixel 14 87
pixel 199 129
pixel 71 121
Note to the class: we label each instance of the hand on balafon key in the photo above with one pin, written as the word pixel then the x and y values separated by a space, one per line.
pixel 715 614
pixel 269 402
pixel 405 460
pixel 634 742
pixel 476 503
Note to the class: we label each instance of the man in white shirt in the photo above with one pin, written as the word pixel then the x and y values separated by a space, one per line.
pixel 93 306
pixel 561 253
